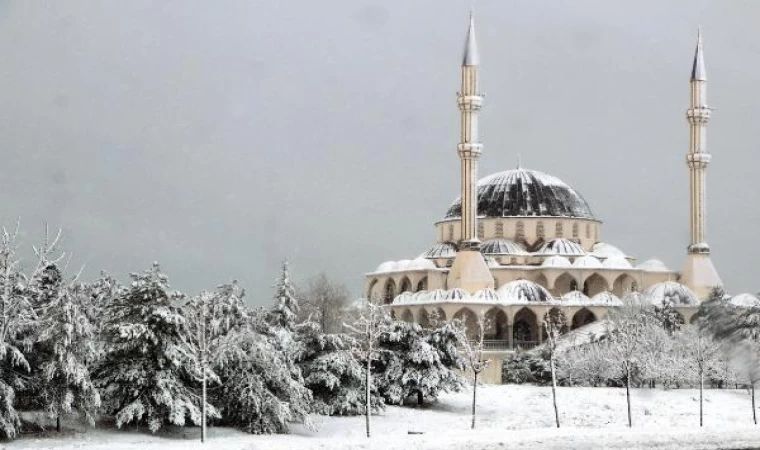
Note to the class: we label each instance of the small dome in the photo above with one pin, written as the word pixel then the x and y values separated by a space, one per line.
pixel 606 298
pixel 441 250
pixel 604 250
pixel 587 262
pixel 561 246
pixel 616 262
pixel 575 298
pixel 457 295
pixel 403 298
pixel 744 301
pixel 521 192
pixel 421 264
pixel 437 295
pixel 387 266
pixel 634 298
pixel 403 264
pixel 420 296
pixel 486 295
pixel 501 247
pixel 670 292
pixel 523 291
pixel 557 262
pixel 653 265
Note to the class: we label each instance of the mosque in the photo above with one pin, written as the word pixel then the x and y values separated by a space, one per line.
pixel 518 243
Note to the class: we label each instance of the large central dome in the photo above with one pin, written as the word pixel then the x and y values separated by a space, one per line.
pixel 521 192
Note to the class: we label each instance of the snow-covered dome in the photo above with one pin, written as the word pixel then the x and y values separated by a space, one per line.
pixel 616 262
pixel 501 247
pixel 558 262
pixel 604 250
pixel 403 264
pixel 387 266
pixel 671 292
pixel 486 295
pixel 634 298
pixel 441 250
pixel 437 295
pixel 522 192
pixel 587 262
pixel 522 291
pixel 420 296
pixel 403 298
pixel 575 298
pixel 457 295
pixel 744 301
pixel 653 265
pixel 421 264
pixel 606 298
pixel 561 246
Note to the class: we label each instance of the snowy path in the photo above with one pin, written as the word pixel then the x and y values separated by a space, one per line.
pixel 510 417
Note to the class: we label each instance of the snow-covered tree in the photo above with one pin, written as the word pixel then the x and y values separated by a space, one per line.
pixel 473 354
pixel 66 331
pixel 700 355
pixel 145 376
pixel 333 373
pixel 286 305
pixel 261 391
pixel 410 363
pixel 17 322
pixel 322 302
pixel 555 324
pixel 371 319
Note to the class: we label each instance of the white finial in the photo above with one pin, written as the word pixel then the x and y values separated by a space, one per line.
pixel 471 56
pixel 698 72
pixel 519 161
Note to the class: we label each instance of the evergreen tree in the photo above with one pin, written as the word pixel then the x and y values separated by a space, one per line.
pixel 67 332
pixel 146 373
pixel 286 308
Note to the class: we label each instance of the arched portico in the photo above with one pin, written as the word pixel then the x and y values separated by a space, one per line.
pixel 470 321
pixel 582 317
pixel 389 291
pixel 525 328
pixel 595 284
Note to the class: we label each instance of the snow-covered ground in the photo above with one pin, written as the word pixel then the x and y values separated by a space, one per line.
pixel 508 417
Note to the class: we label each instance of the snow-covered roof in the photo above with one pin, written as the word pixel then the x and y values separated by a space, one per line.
pixel 634 298
pixel 604 250
pixel 501 247
pixel 486 295
pixel 405 265
pixel 387 266
pixel 441 250
pixel 575 298
pixel 524 291
pixel 587 262
pixel 522 192
pixel 616 262
pixel 421 264
pixel 557 262
pixel 670 292
pixel 561 246
pixel 653 265
pixel 457 295
pixel 744 301
pixel 606 298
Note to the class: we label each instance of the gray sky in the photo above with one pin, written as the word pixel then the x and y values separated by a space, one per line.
pixel 219 137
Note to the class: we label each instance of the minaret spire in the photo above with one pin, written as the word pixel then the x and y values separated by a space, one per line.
pixel 469 270
pixel 700 274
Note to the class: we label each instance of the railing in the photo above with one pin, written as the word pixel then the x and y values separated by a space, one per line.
pixel 497 345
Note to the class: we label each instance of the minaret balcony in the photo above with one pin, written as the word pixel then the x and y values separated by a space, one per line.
pixel 469 150
pixel 698 159
pixel 700 114
pixel 470 102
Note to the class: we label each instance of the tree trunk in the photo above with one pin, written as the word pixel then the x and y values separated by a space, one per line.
pixel 554 389
pixel 58 423
pixel 203 408
pixel 419 398
pixel 366 382
pixel 474 393
pixel 754 412
pixel 701 388
pixel 628 393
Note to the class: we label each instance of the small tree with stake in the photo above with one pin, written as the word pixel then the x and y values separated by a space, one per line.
pixel 473 353
pixel 555 324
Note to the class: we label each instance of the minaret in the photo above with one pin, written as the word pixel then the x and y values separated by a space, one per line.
pixel 469 270
pixel 699 274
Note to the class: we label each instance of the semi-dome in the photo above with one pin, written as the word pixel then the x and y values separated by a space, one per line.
pixel 501 247
pixel 653 265
pixel 387 266
pixel 604 250
pixel 670 292
pixel 421 264
pixel 587 262
pixel 557 262
pixel 522 192
pixel 441 250
pixel 522 291
pixel 561 246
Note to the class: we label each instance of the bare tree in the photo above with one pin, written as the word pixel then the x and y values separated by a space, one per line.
pixel 370 322
pixel 473 353
pixel 700 353
pixel 322 302
pixel 555 324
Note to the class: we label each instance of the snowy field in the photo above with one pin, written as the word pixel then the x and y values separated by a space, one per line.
pixel 517 417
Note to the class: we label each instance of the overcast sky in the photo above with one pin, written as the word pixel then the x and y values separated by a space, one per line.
pixel 219 137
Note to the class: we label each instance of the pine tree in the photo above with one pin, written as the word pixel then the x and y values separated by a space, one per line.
pixel 286 306
pixel 67 332
pixel 147 371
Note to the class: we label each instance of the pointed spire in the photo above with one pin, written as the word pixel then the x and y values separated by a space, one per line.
pixel 471 56
pixel 698 72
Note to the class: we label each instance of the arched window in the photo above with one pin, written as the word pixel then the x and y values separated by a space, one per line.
pixel 575 230
pixel 390 291
pixel 422 285
pixel 451 232
pixel 559 232
pixel 499 229
pixel 520 231
pixel 481 229
pixel 540 232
